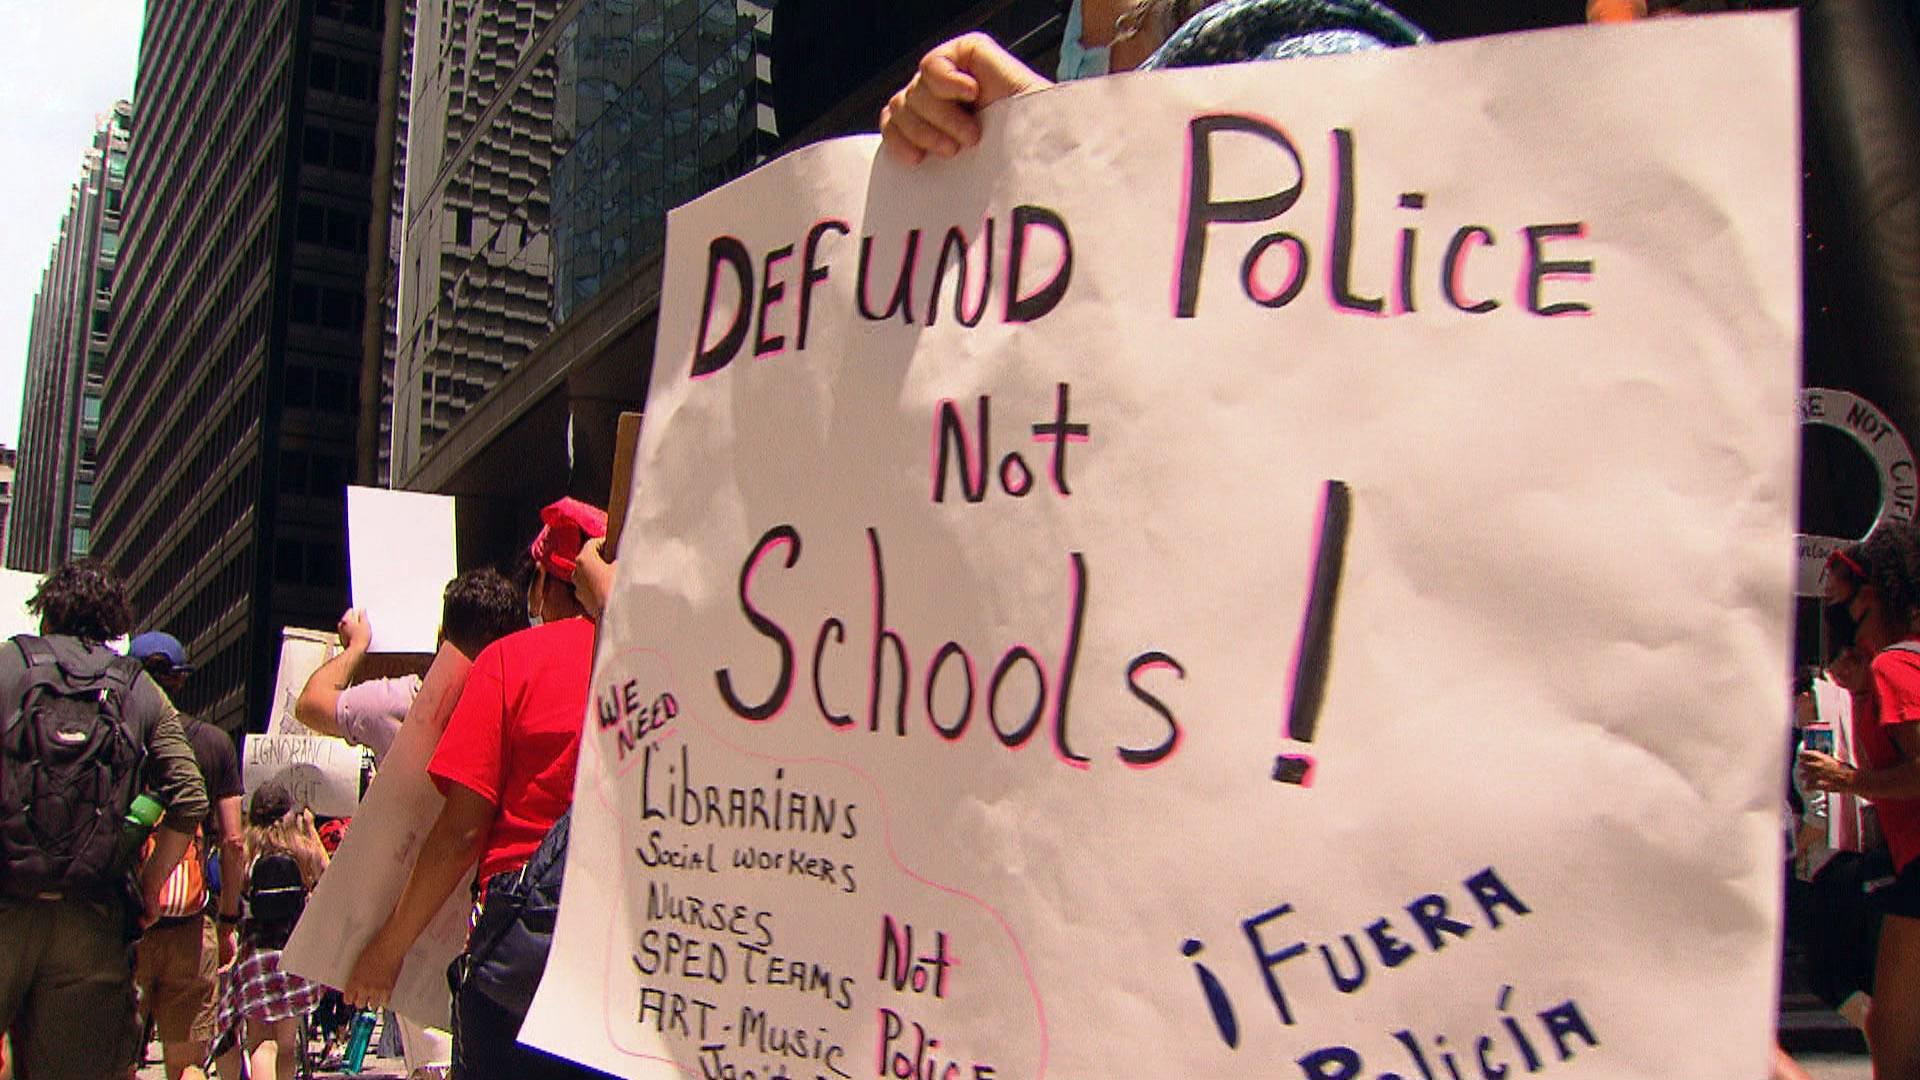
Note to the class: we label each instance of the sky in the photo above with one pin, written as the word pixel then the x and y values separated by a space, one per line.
pixel 63 63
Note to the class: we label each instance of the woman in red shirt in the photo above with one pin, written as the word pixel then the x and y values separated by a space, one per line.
pixel 1872 595
pixel 505 764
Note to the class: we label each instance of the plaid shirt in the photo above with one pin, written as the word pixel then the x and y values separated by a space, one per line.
pixel 255 988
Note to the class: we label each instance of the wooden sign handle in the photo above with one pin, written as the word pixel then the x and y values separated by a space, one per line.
pixel 626 440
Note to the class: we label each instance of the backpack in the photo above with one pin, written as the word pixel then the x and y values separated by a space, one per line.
pixel 507 950
pixel 194 878
pixel 69 769
pixel 185 893
pixel 276 896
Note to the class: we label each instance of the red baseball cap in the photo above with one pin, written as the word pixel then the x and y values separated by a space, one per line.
pixel 568 524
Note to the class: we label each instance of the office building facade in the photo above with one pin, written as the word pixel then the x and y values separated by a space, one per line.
pixel 233 362
pixel 66 362
pixel 8 459
pixel 655 103
pixel 546 141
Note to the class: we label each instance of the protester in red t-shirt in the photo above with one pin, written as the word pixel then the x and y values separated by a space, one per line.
pixel 505 764
pixel 1872 594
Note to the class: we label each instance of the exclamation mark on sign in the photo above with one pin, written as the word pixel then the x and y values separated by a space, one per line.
pixel 1315 654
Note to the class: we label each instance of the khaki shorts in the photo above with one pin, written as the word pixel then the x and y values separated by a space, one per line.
pixel 178 976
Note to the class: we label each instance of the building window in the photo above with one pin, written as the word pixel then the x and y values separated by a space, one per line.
pixel 315 146
pixel 322 71
pixel 83 497
pixel 288 556
pixel 82 541
pixel 339 309
pixel 293 471
pixel 109 242
pixel 306 304
pixel 90 410
pixel 310 224
pixel 463 227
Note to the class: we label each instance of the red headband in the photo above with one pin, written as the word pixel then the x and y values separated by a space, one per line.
pixel 1859 572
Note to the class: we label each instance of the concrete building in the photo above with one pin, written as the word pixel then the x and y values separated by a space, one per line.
pixel 380 339
pixel 525 331
pixel 66 362
pixel 7 460
pixel 231 386
pixel 545 141
pixel 480 145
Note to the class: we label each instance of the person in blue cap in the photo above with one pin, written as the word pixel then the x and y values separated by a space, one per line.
pixel 177 971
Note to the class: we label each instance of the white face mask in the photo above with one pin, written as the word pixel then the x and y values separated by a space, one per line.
pixel 1079 61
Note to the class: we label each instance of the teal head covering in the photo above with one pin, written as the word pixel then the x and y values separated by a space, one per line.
pixel 1233 31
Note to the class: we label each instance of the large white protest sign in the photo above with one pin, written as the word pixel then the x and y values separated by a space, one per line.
pixel 400 556
pixel 301 654
pixel 323 774
pixel 1268 571
pixel 363 882
pixel 16 588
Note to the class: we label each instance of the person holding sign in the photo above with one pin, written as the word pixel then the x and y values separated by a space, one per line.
pixel 937 111
pixel 593 580
pixel 506 765
pixel 478 608
pixel 1872 595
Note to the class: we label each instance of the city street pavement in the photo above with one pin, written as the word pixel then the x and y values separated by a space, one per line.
pixel 378 1068
pixel 1822 1066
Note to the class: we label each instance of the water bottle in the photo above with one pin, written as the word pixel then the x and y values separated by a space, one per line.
pixel 142 816
pixel 1818 737
pixel 358 1038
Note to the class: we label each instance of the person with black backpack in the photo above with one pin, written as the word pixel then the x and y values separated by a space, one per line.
pixel 83 733
pixel 261 1004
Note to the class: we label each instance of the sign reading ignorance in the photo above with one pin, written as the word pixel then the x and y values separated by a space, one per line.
pixel 1266 571
pixel 322 774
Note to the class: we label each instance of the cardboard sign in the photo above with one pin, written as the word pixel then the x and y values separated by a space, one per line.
pixel 363 882
pixel 400 552
pixel 1277 570
pixel 301 654
pixel 323 773
pixel 16 588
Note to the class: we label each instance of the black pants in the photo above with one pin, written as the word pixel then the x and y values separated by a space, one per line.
pixel 486 1045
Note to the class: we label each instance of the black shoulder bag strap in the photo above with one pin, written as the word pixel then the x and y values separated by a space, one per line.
pixel 34 652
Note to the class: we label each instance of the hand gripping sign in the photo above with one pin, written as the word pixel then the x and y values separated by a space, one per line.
pixel 1268 571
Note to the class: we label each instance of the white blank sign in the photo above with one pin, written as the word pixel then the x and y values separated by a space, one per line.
pixel 400 547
